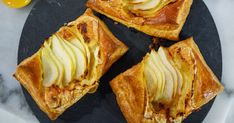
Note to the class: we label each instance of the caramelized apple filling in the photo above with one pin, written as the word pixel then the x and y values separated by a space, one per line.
pixel 146 8
pixel 169 79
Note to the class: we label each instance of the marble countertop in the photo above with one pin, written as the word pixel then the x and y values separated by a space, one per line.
pixel 13 106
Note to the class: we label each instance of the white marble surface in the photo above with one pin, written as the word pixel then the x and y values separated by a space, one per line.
pixel 223 109
pixel 12 103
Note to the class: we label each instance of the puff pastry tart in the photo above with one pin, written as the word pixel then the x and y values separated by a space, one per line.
pixel 166 86
pixel 159 18
pixel 69 64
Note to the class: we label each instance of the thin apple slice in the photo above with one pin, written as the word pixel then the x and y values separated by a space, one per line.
pixel 80 37
pixel 71 53
pixel 146 5
pixel 151 79
pixel 81 66
pixel 159 74
pixel 178 79
pixel 92 70
pixel 78 44
pixel 82 45
pixel 50 70
pixel 168 82
pixel 150 12
pixel 59 81
pixel 163 53
pixel 77 41
pixel 64 57
pixel 83 48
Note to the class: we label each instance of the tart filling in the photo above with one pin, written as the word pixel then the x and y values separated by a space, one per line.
pixel 167 85
pixel 68 62
pixel 146 8
pixel 169 79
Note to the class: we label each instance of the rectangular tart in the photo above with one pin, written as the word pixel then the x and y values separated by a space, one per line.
pixel 166 86
pixel 164 20
pixel 69 64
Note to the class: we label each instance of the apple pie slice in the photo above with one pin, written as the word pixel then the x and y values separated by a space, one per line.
pixel 166 86
pixel 158 18
pixel 69 64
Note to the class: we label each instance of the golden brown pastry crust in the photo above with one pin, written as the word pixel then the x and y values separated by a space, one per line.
pixel 167 23
pixel 206 84
pixel 131 91
pixel 29 71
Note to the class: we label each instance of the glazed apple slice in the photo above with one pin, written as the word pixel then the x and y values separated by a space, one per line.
pixel 80 43
pixel 168 81
pixel 70 52
pixel 149 4
pixel 50 70
pixel 149 9
pixel 151 79
pixel 92 70
pixel 177 77
pixel 77 41
pixel 159 74
pixel 163 55
pixel 64 57
pixel 58 63
pixel 80 60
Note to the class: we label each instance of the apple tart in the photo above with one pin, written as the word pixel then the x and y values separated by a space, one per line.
pixel 69 64
pixel 158 18
pixel 166 86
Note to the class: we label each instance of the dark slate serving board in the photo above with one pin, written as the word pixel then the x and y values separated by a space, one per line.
pixel 48 15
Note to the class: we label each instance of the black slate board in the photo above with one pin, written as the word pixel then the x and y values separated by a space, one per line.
pixel 48 15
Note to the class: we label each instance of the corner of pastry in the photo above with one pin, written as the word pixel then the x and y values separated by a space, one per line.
pixel 158 18
pixel 171 82
pixel 69 64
